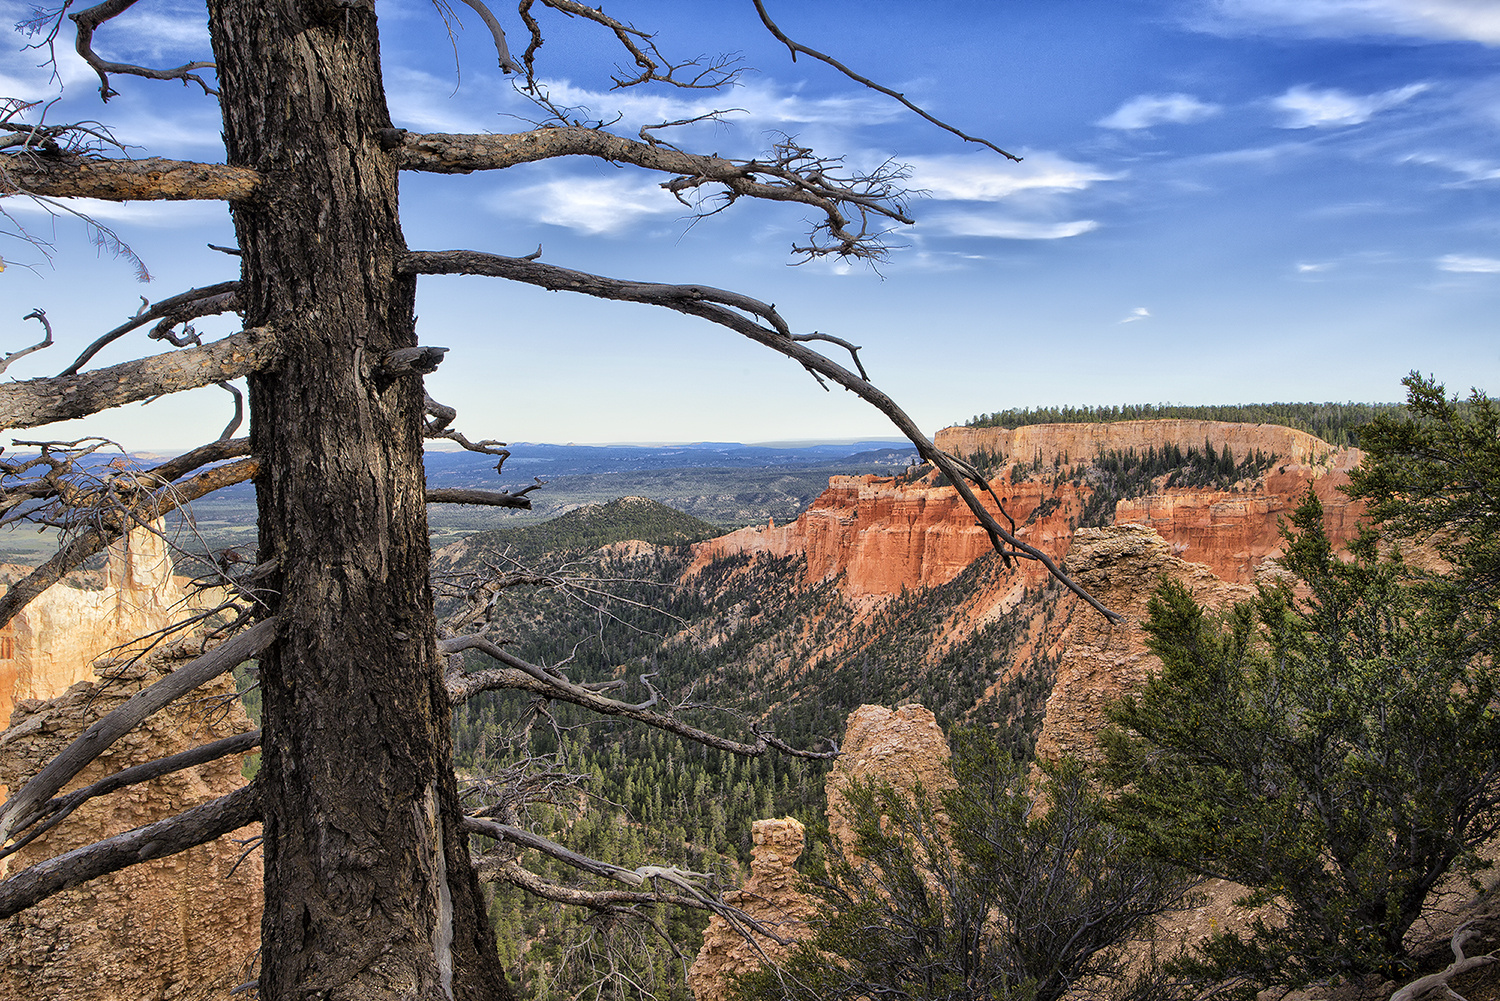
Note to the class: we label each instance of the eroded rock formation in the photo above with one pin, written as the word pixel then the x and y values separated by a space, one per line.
pixel 180 928
pixel 883 535
pixel 904 747
pixel 53 642
pixel 771 898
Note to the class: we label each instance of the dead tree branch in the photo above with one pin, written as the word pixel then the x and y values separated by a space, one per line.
pixel 186 830
pixel 792 173
pixel 507 64
pixel 56 810
pixel 651 65
pixel 42 401
pixel 88 22
pixel 46 342
pixel 195 302
pixel 523 676
pixel 487 498
pixel 1440 981
pixel 797 48
pixel 149 179
pixel 692 892
pixel 25 807
pixel 111 526
pixel 729 309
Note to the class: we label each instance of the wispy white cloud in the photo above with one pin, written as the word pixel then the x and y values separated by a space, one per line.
pixel 1470 170
pixel 988 178
pixel 1309 107
pixel 1310 267
pixel 598 207
pixel 1155 109
pixel 1001 228
pixel 1468 265
pixel 1139 313
pixel 1458 20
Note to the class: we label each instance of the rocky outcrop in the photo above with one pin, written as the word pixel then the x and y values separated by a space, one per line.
pixel 769 897
pixel 1082 442
pixel 52 643
pixel 1236 533
pixel 178 928
pixel 904 747
pixel 1099 661
pixel 883 535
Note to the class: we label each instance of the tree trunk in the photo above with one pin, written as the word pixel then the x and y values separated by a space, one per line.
pixel 369 888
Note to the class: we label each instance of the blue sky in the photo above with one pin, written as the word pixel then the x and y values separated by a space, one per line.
pixel 1219 202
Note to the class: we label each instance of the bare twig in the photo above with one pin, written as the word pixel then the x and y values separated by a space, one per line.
pixel 88 22
pixel 189 305
pixel 114 523
pixel 521 675
pixel 46 342
pixel 797 48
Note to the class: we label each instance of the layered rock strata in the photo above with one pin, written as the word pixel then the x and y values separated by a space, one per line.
pixel 882 535
pixel 1052 443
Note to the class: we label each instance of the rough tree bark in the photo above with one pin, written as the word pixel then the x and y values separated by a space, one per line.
pixel 369 889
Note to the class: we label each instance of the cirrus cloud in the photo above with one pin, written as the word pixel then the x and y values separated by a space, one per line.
pixel 594 206
pixel 1308 107
pixel 1155 109
pixel 1464 264
pixel 1455 20
pixel 966 224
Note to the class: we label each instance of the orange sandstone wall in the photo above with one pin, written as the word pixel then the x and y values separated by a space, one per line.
pixel 1235 533
pixel 885 536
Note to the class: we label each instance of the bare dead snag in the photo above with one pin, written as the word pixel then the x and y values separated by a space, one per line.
pixel 149 179
pixel 43 401
pixel 186 830
pixel 24 807
pixel 1440 981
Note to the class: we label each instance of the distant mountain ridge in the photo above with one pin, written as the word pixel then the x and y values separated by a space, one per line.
pixel 544 460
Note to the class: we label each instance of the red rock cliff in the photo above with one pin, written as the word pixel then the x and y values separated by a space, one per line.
pixel 883 535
